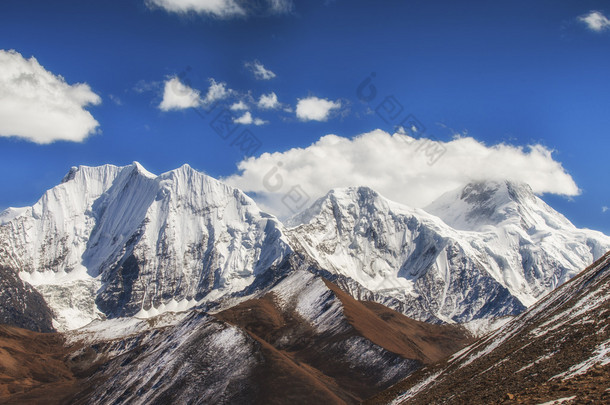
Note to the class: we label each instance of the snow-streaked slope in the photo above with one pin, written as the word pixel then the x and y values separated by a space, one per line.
pixel 560 347
pixel 115 241
pixel 198 360
pixel 417 263
pixel 303 340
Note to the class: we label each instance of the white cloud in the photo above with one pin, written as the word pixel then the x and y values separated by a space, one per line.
pixel 398 167
pixel 40 106
pixel 604 208
pixel 268 101
pixel 217 91
pixel 596 21
pixel 215 8
pixel 178 96
pixel 224 8
pixel 239 106
pixel 247 119
pixel 315 109
pixel 259 71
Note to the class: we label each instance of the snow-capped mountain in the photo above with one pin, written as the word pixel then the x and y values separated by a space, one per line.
pixel 558 350
pixel 272 310
pixel 118 241
pixel 551 250
pixel 491 250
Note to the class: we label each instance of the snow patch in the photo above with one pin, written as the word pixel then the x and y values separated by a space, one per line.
pixel 415 389
pixel 559 401
pixel 601 356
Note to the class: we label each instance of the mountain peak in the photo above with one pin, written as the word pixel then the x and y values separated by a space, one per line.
pixel 362 194
pixel 70 175
pixel 142 170
pixel 103 170
pixel 488 191
pixel 481 204
pixel 338 197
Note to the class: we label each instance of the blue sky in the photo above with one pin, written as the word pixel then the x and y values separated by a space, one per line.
pixel 484 80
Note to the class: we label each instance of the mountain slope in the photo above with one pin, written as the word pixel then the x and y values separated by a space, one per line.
pixel 359 345
pixel 303 340
pixel 33 367
pixel 416 263
pixel 559 348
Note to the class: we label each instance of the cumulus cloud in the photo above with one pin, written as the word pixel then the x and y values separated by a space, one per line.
pixel 268 101
pixel 40 106
pixel 399 167
pixel 315 109
pixel 247 119
pixel 604 208
pixel 178 96
pixel 595 21
pixel 239 106
pixel 259 71
pixel 217 91
pixel 215 8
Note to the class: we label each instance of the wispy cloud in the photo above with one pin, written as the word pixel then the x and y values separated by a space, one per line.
pixel 281 6
pixel 315 109
pixel 143 86
pixel 595 21
pixel 259 71
pixel 397 166
pixel 604 208
pixel 215 8
pixel 224 9
pixel 115 99
pixel 40 106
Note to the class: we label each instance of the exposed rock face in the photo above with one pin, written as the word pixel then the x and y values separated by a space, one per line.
pixel 22 305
